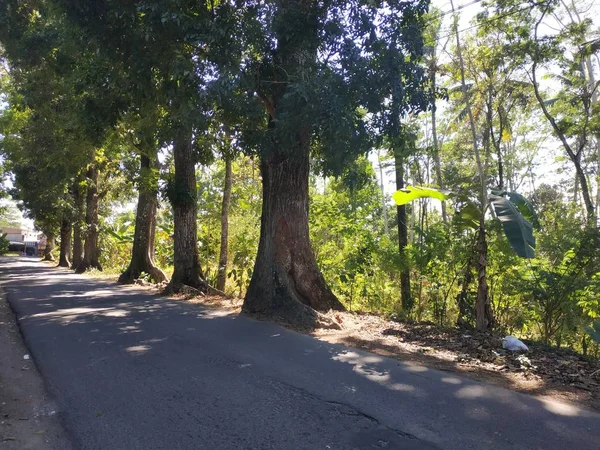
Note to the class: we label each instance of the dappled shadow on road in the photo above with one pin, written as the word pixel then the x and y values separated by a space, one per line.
pixel 146 330
pixel 509 418
pixel 54 296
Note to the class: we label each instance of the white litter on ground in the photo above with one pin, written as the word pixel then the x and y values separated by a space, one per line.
pixel 513 344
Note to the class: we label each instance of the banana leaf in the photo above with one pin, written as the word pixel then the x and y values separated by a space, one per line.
pixel 594 331
pixel 467 217
pixel 410 193
pixel 525 208
pixel 518 229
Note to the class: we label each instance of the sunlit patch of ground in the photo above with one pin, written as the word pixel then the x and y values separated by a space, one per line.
pixel 552 373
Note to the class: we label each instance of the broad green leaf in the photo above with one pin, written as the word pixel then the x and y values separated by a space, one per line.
pixel 410 193
pixel 525 207
pixel 467 217
pixel 517 229
pixel 594 331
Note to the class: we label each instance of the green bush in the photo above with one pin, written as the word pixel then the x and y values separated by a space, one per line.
pixel 4 244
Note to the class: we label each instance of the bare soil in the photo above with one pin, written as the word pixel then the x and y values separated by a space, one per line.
pixel 28 417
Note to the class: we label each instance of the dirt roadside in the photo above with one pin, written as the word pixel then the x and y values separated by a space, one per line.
pixel 28 417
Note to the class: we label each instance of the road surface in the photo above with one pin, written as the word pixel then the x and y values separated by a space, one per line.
pixel 129 370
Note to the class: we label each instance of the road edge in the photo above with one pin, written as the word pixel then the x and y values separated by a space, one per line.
pixel 28 415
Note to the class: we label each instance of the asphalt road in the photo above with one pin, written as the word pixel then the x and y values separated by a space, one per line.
pixel 129 370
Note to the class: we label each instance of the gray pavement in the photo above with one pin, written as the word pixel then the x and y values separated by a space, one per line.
pixel 130 370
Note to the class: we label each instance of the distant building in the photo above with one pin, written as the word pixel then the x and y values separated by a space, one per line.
pixel 23 240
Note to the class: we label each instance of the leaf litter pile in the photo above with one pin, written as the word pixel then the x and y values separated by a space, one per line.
pixel 557 373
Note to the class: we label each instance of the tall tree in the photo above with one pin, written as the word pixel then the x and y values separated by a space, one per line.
pixel 91 249
pixel 484 315
pixel 571 112
pixel 311 78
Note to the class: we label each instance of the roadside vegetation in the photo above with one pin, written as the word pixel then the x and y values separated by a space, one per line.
pixel 251 149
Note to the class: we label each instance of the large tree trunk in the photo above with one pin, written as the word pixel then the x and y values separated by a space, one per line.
pixel 78 201
pixel 66 230
pixel 222 275
pixel 142 254
pixel 91 250
pixel 286 282
pixel 183 197
pixel 49 247
pixel 405 294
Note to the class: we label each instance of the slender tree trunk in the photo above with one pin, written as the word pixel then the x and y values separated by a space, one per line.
pixel 187 269
pixel 91 250
pixel 78 201
pixel 465 309
pixel 49 247
pixel 383 203
pixel 222 275
pixel 66 230
pixel 142 254
pixel 286 281
pixel 405 294
pixel 483 310
pixel 574 154
pixel 436 147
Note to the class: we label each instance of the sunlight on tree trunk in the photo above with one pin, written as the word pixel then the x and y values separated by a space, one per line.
pixel 222 275
pixel 286 281
pixel 142 254
pixel 48 256
pixel 91 250
pixel 183 197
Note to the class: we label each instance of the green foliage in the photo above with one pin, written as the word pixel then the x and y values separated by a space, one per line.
pixel 410 193
pixel 594 331
pixel 517 229
pixel 4 244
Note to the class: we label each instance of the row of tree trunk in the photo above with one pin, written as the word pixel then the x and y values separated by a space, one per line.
pixel 79 247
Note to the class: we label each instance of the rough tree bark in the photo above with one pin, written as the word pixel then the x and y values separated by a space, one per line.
pixel 142 254
pixel 405 294
pixel 66 230
pixel 49 247
pixel 183 197
pixel 78 201
pixel 222 275
pixel 286 281
pixel 91 250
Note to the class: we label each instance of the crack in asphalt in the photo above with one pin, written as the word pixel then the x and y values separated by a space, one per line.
pixel 353 410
